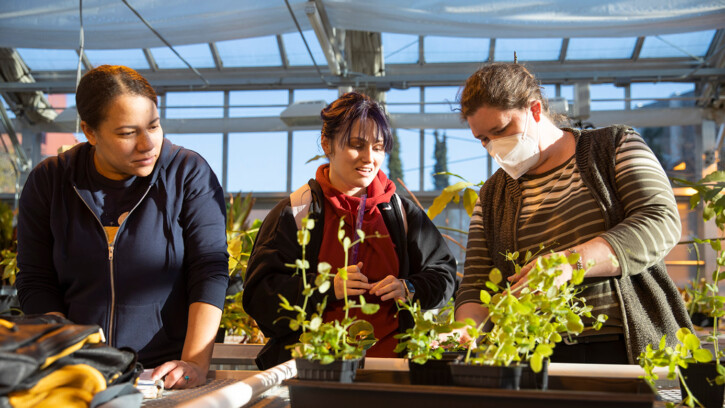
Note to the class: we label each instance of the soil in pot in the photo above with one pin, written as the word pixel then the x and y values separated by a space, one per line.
pixel 432 372
pixel 707 392
pixel 339 370
pixel 485 376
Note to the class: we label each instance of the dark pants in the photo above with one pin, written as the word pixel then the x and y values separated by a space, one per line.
pixel 606 349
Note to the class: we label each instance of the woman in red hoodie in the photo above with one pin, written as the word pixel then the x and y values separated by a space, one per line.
pixel 411 261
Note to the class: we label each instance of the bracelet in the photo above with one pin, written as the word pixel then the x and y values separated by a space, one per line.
pixel 407 291
pixel 579 263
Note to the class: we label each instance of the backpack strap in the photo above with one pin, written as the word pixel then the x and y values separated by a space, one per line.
pixel 300 201
pixel 401 212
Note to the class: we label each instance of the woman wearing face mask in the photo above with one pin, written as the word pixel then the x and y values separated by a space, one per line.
pixel 599 193
pixel 410 262
pixel 127 232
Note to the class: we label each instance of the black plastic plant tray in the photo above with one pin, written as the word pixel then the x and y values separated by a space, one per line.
pixel 392 389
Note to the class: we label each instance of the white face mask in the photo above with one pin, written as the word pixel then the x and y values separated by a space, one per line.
pixel 516 154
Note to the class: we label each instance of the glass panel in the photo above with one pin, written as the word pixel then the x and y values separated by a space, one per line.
pixel 48 60
pixel 403 100
pixel 567 91
pixel 252 103
pixel 455 49
pixel 250 52
pixel 527 49
pixel 441 99
pixel 600 48
pixel 305 146
pixel 133 58
pixel 677 45
pixel 208 145
pixel 198 55
pixel 409 140
pixel 466 156
pixel 327 95
pixel 177 103
pixel 54 143
pixel 400 48
pixel 250 152
pixel 661 90
pixel 606 91
pixel 296 51
pixel 10 113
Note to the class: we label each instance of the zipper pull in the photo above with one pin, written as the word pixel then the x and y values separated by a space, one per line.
pixel 110 252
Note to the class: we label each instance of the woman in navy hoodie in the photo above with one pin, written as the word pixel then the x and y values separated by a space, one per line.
pixel 127 231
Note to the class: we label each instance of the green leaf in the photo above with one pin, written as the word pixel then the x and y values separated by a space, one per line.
pixel 694 200
pixel 342 272
pixel 324 287
pixel 303 237
pixel 469 200
pixel 485 297
pixel 323 267
pixel 681 334
pixel 716 245
pixel 702 355
pixel 577 276
pixel 495 276
pixel 315 323
pixel 370 308
pixel 536 362
pixel 346 243
pixel 692 342
pixel 439 204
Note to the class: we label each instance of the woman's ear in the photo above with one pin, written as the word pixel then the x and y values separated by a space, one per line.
pixel 90 135
pixel 325 143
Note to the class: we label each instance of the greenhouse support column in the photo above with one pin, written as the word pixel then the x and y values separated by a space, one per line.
pixel 225 145
pixel 421 183
pixel 290 140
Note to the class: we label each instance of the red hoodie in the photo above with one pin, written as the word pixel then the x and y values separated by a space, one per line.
pixel 377 254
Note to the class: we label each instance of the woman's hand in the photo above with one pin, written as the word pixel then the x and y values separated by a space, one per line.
pixel 357 283
pixel 179 374
pixel 519 280
pixel 389 287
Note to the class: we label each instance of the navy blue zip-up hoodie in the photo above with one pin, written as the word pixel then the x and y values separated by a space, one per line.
pixel 170 251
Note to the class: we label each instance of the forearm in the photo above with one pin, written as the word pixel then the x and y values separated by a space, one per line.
pixel 200 333
pixel 471 310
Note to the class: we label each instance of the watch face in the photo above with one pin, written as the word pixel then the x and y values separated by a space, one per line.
pixel 410 286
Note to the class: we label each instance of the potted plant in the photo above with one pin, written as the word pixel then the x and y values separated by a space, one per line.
pixel 526 324
pixel 8 263
pixel 702 380
pixel 327 350
pixel 428 358
pixel 240 240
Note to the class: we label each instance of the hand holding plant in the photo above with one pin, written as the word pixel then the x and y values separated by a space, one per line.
pixel 528 321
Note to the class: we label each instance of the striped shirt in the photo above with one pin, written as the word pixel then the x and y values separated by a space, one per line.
pixel 558 210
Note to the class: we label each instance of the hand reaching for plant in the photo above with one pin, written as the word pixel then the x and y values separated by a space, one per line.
pixel 519 280
pixel 389 287
pixel 357 283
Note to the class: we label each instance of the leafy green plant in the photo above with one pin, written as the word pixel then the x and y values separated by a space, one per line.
pixel 528 321
pixel 333 340
pixel 10 265
pixel 240 240
pixel 687 351
pixel 421 342
pixel 237 322
pixel 462 190
pixel 240 235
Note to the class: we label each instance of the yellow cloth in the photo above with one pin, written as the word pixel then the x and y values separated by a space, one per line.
pixel 70 386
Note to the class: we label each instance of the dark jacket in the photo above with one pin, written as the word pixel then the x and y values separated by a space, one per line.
pixel 651 304
pixel 423 256
pixel 170 252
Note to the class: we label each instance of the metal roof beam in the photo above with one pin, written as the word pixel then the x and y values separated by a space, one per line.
pixel 326 36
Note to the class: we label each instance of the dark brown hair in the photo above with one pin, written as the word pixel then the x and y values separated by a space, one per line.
pixel 99 86
pixel 339 117
pixel 502 86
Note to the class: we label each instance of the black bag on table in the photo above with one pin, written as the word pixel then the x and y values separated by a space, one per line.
pixel 46 360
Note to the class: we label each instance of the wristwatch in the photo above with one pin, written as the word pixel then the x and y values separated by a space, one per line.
pixel 409 289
